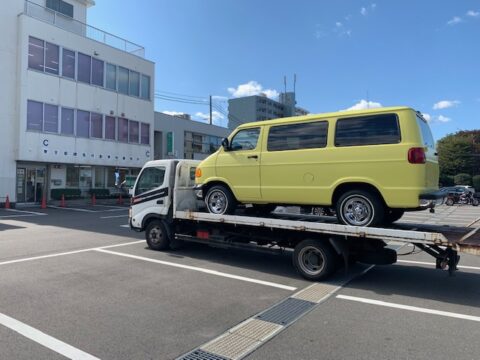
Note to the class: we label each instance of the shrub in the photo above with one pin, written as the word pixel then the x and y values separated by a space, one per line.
pixel 446 180
pixel 100 193
pixel 462 179
pixel 476 182
pixel 56 194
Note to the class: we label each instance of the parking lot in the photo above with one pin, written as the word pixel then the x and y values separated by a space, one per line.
pixel 78 283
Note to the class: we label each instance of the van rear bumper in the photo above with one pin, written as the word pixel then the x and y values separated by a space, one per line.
pixel 431 199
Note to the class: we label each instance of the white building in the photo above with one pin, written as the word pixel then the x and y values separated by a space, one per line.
pixel 76 101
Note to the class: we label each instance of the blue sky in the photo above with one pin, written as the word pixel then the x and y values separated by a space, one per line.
pixel 423 54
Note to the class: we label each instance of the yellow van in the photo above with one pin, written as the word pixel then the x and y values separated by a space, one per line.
pixel 369 165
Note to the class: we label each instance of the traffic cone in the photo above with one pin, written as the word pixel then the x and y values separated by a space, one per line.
pixel 120 200
pixel 7 203
pixel 44 203
pixel 94 200
pixel 62 202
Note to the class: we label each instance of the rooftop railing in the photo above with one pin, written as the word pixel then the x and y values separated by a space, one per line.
pixel 69 24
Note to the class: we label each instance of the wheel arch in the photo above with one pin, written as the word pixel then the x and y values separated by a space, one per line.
pixel 222 182
pixel 354 185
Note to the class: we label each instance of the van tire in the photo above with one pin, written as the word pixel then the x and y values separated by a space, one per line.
pixel 315 259
pixel 393 215
pixel 369 211
pixel 157 236
pixel 220 200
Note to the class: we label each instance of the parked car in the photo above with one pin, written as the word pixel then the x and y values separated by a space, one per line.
pixel 370 165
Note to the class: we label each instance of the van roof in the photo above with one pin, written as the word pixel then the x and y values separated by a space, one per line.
pixel 325 115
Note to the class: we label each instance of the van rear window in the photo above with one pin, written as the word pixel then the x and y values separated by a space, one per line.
pixel 309 135
pixel 367 130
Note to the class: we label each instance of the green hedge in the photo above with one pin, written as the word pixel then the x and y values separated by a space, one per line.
pixel 476 183
pixel 56 194
pixel 100 193
pixel 463 179
pixel 446 180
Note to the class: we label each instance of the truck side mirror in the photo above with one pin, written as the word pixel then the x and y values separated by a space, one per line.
pixel 225 144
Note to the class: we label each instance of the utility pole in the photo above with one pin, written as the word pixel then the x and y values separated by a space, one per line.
pixel 211 120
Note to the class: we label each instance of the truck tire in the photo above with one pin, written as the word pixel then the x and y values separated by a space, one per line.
pixel 393 215
pixel 360 208
pixel 220 200
pixel 157 236
pixel 314 259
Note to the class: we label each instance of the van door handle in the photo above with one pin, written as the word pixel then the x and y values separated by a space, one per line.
pixel 252 156
pixel 159 202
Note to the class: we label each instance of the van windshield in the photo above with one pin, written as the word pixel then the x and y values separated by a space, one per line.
pixel 426 133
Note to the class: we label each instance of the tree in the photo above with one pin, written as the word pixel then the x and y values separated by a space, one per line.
pixel 459 153
pixel 463 179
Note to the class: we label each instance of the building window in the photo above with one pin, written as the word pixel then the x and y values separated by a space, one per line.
pixel 133 132
pixel 145 134
pixel 52 56
pixel 84 68
pixel 34 115
pixel 73 175
pixel 122 80
pixel 50 118
pixel 61 6
pixel 122 130
pixel 67 122
pixel 111 77
pixel 36 53
pixel 110 128
pixel 68 63
pixel 134 83
pixel 96 125
pixel 83 123
pixel 97 72
pixel 145 90
pixel 99 177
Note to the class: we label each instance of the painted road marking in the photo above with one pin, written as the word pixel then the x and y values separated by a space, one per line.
pixel 17 216
pixel 410 308
pixel 113 216
pixel 199 269
pixel 433 264
pixel 125 226
pixel 25 211
pixel 45 340
pixel 72 209
pixel 68 253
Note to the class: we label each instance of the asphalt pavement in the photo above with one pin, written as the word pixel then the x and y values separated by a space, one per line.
pixel 78 283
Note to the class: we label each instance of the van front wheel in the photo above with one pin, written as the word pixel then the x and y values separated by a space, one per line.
pixel 220 200
pixel 360 208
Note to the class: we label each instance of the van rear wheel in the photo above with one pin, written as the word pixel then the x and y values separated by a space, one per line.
pixel 360 208
pixel 220 200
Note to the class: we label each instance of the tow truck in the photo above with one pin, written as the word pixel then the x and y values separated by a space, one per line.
pixel 164 205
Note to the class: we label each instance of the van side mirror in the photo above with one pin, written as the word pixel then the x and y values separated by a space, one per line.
pixel 225 144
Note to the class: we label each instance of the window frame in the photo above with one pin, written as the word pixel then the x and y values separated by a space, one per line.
pixel 61 121
pixel 137 185
pixel 242 130
pixel 43 54
pixel 74 78
pixel 45 105
pixel 313 122
pixel 42 112
pixel 79 54
pixel 367 116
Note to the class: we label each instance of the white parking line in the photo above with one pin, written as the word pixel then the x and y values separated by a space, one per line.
pixel 203 270
pixel 410 308
pixel 17 216
pixel 68 253
pixel 25 212
pixel 113 216
pixel 72 209
pixel 433 264
pixel 45 340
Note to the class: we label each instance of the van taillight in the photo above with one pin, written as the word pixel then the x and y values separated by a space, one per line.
pixel 416 155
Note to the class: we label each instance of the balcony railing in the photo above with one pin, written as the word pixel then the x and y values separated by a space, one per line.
pixel 67 23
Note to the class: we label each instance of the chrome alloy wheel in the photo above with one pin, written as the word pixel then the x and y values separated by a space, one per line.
pixel 217 202
pixel 357 211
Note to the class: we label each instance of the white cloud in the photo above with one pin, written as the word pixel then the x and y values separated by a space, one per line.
pixel 455 20
pixel 348 17
pixel 427 117
pixel 217 117
pixel 373 6
pixel 364 104
pixel 252 88
pixel 338 24
pixel 445 104
pixel 363 11
pixel 173 113
pixel 473 13
pixel 443 119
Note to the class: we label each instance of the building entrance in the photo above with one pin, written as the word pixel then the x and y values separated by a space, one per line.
pixel 30 183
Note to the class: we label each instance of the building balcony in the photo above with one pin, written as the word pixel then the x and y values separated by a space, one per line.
pixel 77 27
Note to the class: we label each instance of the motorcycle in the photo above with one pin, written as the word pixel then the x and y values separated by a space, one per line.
pixel 467 198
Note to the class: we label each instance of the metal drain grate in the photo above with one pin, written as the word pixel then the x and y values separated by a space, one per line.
pixel 287 311
pixel 201 355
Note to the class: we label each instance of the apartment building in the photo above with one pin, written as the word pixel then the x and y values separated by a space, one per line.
pixel 260 107
pixel 77 101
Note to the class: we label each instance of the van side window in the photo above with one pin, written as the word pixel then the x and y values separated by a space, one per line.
pixel 426 133
pixel 245 139
pixel 150 178
pixel 310 135
pixel 367 130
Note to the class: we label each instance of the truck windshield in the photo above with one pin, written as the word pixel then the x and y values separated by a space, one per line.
pixel 150 178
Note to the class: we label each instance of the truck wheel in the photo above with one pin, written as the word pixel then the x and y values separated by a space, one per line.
pixel 393 215
pixel 314 259
pixel 220 200
pixel 157 236
pixel 360 208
